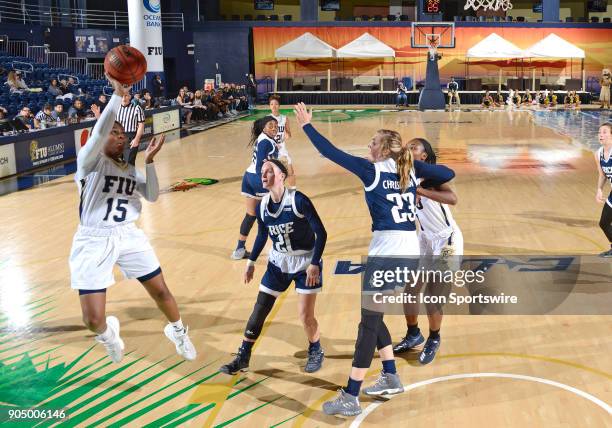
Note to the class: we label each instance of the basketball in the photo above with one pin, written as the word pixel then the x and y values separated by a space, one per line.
pixel 125 64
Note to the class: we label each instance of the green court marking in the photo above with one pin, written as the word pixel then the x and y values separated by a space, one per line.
pixel 286 420
pixel 202 181
pixel 158 403
pixel 75 420
pixel 179 422
pixel 234 419
pixel 322 114
pixel 171 416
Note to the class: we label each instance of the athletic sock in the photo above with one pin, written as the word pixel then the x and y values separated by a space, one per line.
pixel 413 330
pixel 389 366
pixel 178 326
pixel 241 244
pixel 247 346
pixel 107 336
pixel 353 387
pixel 434 334
pixel 314 346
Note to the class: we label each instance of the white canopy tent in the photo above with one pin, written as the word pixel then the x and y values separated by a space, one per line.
pixel 366 46
pixel 553 46
pixel 494 46
pixel 306 46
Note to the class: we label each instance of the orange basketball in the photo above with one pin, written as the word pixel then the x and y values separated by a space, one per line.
pixel 125 64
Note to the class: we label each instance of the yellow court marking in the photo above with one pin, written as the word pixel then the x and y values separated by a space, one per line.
pixel 220 392
pixel 316 406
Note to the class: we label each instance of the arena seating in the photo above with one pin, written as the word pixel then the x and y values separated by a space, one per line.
pixel 41 77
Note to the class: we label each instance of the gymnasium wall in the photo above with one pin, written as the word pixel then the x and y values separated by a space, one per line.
pixel 597 44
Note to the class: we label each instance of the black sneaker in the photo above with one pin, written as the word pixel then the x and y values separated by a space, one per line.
pixel 606 254
pixel 315 361
pixel 239 364
pixel 408 343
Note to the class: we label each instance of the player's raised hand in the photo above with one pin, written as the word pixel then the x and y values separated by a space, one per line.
pixel 302 114
pixel 119 88
pixel 313 272
pixel 154 146
pixel 248 273
pixel 95 110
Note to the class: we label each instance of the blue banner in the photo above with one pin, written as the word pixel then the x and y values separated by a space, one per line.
pixel 45 150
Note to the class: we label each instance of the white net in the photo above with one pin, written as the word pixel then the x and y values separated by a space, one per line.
pixel 433 41
pixel 488 4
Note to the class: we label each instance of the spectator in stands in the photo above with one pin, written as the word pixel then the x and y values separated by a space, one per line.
pixel 101 102
pixel 453 92
pixel 15 83
pixel 402 95
pixel 158 87
pixel 244 103
pixel 3 112
pixel 77 112
pixel 183 101
pixel 58 114
pixel 198 106
pixel 137 99
pixel 43 118
pixel 54 88
pixel 251 90
pixel 149 102
pixel 487 100
pixel 25 117
pixel 73 87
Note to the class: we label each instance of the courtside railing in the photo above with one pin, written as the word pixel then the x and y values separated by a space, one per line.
pixel 80 18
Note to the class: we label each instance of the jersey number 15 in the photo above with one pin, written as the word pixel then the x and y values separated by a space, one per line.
pixel 120 208
pixel 401 214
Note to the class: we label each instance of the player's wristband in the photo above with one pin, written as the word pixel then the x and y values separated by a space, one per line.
pixel 250 263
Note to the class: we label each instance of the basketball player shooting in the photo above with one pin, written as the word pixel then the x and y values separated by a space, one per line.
pixel 110 191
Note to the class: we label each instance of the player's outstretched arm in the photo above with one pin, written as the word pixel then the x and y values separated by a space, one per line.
pixel 434 175
pixel 258 246
pixel 443 194
pixel 149 186
pixel 358 166
pixel 307 209
pixel 89 154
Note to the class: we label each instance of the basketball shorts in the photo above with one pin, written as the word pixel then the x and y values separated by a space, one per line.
pixel 451 246
pixel 385 251
pixel 283 153
pixel 252 187
pixel 95 252
pixel 276 279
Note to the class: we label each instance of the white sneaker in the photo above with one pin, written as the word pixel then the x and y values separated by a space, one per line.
pixel 115 346
pixel 184 347
pixel 239 254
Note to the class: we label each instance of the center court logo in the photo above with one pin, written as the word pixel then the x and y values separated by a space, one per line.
pixel 152 6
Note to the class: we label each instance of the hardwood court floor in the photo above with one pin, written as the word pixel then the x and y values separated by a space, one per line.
pixel 523 189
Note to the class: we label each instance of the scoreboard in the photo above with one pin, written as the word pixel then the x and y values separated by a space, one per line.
pixel 432 6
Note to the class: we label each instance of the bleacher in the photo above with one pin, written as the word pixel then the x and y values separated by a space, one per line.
pixel 40 76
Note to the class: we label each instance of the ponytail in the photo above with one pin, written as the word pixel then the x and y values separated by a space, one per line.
pixel 258 127
pixel 393 147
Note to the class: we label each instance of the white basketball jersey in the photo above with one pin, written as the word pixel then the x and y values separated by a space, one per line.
pixel 280 134
pixel 253 165
pixel 109 194
pixel 435 219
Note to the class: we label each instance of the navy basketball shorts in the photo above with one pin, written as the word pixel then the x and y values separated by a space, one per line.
pixel 252 187
pixel 275 281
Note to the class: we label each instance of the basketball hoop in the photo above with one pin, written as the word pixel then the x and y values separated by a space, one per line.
pixel 488 4
pixel 433 41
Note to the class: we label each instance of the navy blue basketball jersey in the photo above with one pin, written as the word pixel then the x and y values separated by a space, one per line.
pixel 606 167
pixel 287 227
pixel 390 207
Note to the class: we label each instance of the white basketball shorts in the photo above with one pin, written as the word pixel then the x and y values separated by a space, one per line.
pixel 95 252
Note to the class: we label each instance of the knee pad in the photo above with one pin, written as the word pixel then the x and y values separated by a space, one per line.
pixel 367 338
pixel 262 308
pixel 383 338
pixel 247 224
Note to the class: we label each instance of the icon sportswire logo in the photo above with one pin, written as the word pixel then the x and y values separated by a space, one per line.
pixel 152 6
